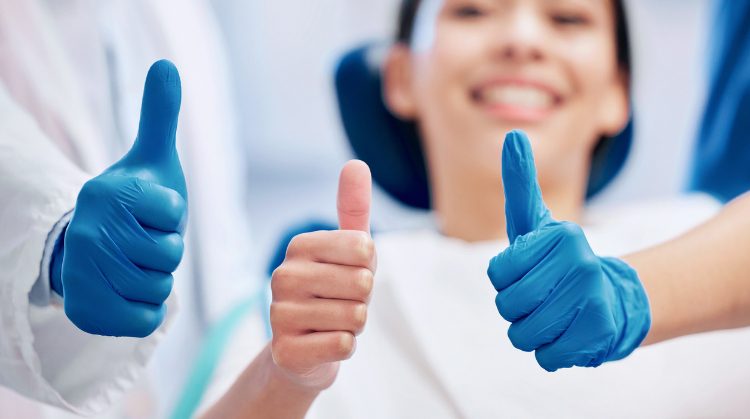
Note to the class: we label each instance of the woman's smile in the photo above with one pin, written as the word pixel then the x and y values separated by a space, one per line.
pixel 516 100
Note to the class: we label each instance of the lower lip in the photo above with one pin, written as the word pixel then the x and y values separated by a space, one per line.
pixel 514 113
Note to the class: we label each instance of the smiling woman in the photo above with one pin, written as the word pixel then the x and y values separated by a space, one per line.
pixel 557 69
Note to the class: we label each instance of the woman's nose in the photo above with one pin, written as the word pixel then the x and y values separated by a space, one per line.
pixel 520 36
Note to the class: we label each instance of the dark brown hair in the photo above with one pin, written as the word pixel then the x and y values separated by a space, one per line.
pixel 408 14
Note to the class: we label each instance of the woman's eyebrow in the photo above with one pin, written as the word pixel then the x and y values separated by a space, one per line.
pixel 598 4
pixel 598 9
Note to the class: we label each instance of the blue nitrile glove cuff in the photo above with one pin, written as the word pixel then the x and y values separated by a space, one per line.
pixel 55 266
pixel 633 318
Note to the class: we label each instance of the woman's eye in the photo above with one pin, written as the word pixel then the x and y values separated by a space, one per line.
pixel 568 19
pixel 468 12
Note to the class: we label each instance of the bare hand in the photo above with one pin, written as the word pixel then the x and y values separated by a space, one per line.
pixel 322 289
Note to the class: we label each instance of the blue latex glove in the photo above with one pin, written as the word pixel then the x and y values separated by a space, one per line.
pixel 113 266
pixel 564 302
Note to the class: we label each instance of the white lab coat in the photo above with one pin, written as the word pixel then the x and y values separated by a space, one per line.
pixel 71 78
pixel 435 346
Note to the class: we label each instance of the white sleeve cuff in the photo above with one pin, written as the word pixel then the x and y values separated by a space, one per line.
pixel 41 293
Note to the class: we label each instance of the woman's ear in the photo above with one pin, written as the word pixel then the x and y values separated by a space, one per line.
pixel 397 82
pixel 615 109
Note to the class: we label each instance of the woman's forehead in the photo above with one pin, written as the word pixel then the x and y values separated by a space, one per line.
pixel 428 12
pixel 601 5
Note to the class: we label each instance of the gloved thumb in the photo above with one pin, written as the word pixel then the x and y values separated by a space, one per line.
pixel 162 94
pixel 525 210
pixel 354 196
pixel 154 157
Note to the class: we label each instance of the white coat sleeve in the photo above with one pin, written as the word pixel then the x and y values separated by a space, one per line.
pixel 43 356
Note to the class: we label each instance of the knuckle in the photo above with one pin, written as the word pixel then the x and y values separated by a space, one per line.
pixel 364 283
pixel 176 246
pixel 498 262
pixel 79 235
pixel 364 246
pixel 570 230
pixel 517 338
pixel 177 203
pixel 286 317
pixel 151 321
pixel 281 280
pixel 569 233
pixel 344 345
pixel 549 362
pixel 95 190
pixel 491 267
pixel 502 307
pixel 277 313
pixel 589 266
pixel 359 316
pixel 368 246
pixel 164 289
pixel 298 244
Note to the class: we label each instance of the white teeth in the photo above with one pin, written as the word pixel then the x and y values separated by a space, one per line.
pixel 523 96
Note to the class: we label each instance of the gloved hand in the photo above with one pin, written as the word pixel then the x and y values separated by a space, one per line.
pixel 564 302
pixel 113 267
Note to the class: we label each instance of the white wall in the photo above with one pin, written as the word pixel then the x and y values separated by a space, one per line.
pixel 670 73
pixel 284 53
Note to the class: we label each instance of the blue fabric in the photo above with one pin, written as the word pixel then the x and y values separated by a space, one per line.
pixel 568 305
pixel 390 146
pixel 721 165
pixel 279 254
pixel 113 266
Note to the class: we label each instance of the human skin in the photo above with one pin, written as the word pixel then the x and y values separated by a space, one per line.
pixel 698 282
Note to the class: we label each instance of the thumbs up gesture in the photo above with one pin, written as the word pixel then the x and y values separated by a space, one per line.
pixel 321 290
pixel 113 267
pixel 568 305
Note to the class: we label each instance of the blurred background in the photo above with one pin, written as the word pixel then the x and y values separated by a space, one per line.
pixel 283 55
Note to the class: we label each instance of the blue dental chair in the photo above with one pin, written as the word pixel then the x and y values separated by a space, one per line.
pixel 721 159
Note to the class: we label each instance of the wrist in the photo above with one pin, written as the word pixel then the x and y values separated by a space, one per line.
pixel 264 391
pixel 278 378
pixel 632 311
pixel 55 265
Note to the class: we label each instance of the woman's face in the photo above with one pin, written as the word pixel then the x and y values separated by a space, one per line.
pixel 479 68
